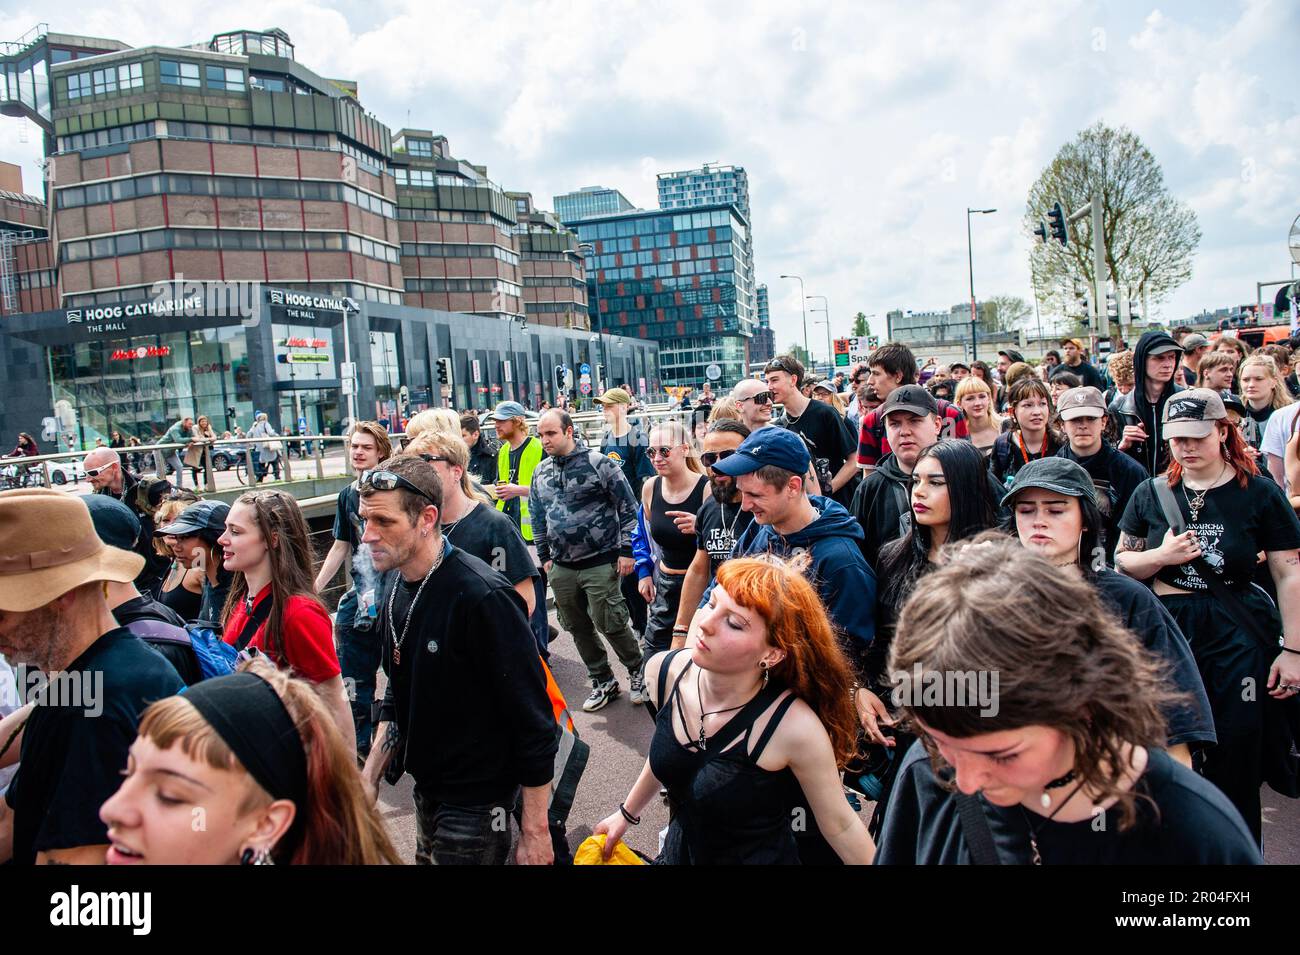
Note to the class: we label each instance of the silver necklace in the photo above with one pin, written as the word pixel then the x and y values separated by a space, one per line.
pixel 448 528
pixel 1196 499
pixel 410 611
pixel 731 531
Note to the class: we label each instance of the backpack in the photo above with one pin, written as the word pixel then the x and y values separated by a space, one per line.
pixel 215 657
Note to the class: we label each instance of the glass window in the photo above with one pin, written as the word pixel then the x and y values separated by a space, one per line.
pixel 79 85
pixel 130 76
pixel 173 73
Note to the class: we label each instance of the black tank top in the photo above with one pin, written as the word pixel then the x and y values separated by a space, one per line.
pixel 727 810
pixel 185 603
pixel 678 548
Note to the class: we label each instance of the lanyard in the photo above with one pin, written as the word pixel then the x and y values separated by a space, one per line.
pixel 1024 452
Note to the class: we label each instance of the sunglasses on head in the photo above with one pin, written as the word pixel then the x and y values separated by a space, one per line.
pixel 710 458
pixel 762 398
pixel 383 480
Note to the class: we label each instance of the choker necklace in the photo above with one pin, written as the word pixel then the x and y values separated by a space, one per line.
pixel 1057 783
pixel 1037 857
pixel 703 740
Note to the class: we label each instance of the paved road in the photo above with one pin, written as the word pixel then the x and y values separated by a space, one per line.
pixel 619 736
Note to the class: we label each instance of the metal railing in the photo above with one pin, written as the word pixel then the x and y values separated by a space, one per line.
pixel 249 468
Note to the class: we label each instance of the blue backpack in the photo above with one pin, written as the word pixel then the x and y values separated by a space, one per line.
pixel 215 657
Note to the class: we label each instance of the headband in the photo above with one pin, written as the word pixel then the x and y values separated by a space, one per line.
pixel 251 719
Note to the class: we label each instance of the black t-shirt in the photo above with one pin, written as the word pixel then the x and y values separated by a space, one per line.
pixel 1011 452
pixel 178 655
pixel 1143 614
pixel 1234 525
pixel 630 453
pixel 1116 476
pixel 828 437
pixel 717 528
pixel 348 525
pixel 493 538
pixel 1189 377
pixel 1085 371
pixel 1191 823
pixel 73 754
pixel 469 692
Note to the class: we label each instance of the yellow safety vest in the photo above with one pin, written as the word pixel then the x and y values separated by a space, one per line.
pixel 528 462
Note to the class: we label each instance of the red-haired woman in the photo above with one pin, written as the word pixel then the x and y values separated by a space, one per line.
pixel 758 708
pixel 259 757
pixel 1231 515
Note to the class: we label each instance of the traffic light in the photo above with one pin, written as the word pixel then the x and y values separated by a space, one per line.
pixel 444 371
pixel 600 372
pixel 1056 224
pixel 1112 305
pixel 559 379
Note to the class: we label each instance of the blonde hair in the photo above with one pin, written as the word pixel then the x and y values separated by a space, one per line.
pixel 440 420
pixel 971 385
pixel 681 435
pixel 1281 395
pixel 1120 367
pixel 167 512
pixel 456 451
pixel 725 409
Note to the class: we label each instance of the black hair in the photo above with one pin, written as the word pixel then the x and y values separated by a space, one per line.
pixel 896 358
pixel 469 422
pixel 1090 539
pixel 566 419
pixel 1067 378
pixel 729 426
pixel 1053 353
pixel 972 510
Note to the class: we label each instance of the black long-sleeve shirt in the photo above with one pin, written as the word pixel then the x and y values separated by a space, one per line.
pixel 469 693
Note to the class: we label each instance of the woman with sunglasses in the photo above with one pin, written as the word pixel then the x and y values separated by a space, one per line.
pixel 273 607
pixel 671 500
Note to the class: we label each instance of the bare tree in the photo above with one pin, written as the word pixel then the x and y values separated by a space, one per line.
pixel 1004 313
pixel 1150 236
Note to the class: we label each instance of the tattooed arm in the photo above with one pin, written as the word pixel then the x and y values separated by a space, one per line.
pixel 1133 558
pixel 387 738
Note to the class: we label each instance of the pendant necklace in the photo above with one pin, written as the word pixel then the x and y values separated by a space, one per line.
pixel 702 741
pixel 1034 831
pixel 410 611
pixel 1196 499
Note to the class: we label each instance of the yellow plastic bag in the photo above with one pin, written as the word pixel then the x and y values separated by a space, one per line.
pixel 592 852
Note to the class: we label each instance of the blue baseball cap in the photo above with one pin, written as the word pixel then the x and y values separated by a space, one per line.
pixel 509 409
pixel 772 446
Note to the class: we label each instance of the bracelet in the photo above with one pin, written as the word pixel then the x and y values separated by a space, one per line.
pixel 634 820
pixel 1289 650
pixel 677 630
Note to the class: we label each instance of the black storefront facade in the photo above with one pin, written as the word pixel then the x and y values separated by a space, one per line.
pixel 74 375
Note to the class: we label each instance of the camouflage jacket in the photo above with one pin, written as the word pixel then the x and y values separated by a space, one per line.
pixel 582 508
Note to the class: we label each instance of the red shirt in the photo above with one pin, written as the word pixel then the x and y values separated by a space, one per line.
pixel 873 444
pixel 308 637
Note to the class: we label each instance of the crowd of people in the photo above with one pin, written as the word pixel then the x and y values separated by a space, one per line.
pixel 960 614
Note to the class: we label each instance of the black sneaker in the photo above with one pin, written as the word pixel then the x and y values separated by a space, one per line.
pixel 601 693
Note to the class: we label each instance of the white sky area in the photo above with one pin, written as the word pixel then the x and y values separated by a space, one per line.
pixel 866 128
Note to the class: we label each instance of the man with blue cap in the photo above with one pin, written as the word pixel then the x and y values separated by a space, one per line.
pixel 769 468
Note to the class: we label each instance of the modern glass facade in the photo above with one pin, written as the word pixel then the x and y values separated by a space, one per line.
pixel 707 186
pixel 678 279
pixel 762 347
pixel 591 201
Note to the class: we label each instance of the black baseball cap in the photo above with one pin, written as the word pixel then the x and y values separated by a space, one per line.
pixel 115 524
pixel 206 519
pixel 913 398
pixel 1012 355
pixel 1232 403
pixel 1060 475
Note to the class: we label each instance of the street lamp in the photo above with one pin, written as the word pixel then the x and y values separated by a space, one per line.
pixel 970 262
pixel 587 250
pixel 825 310
pixel 804 307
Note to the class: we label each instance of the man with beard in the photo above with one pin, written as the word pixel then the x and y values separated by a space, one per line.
pixel 718 525
pixel 466 702
pixel 89 678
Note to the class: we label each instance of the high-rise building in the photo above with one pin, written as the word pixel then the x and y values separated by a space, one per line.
pixel 555 282
pixel 709 185
pixel 762 347
pixel 676 278
pixel 191 189
pixel 591 201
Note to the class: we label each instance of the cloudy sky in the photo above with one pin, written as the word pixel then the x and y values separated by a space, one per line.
pixel 867 129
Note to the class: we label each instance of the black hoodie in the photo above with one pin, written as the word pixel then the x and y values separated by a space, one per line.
pixel 1134 408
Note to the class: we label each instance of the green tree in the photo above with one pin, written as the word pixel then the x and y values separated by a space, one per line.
pixel 1005 313
pixel 798 351
pixel 1150 236
pixel 861 328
